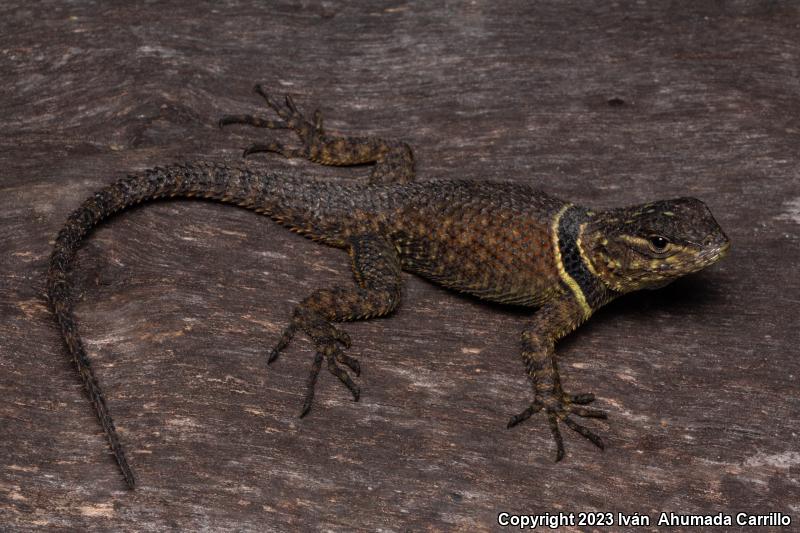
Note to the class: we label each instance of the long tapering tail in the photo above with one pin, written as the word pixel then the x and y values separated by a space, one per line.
pixel 207 180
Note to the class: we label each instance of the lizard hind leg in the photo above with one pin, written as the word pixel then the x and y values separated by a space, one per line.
pixel 376 267
pixel 393 160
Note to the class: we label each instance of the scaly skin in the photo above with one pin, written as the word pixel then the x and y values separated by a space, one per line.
pixel 504 242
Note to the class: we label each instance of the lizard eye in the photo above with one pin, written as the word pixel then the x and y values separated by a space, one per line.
pixel 658 243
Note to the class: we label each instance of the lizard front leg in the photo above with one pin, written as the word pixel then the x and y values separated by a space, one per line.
pixel 393 160
pixel 376 267
pixel 553 321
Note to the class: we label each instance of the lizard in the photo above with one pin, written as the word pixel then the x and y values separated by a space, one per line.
pixel 503 242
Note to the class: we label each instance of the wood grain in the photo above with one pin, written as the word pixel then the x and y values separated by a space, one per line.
pixel 602 103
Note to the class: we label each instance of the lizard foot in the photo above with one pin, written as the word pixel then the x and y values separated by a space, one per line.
pixel 558 409
pixel 328 341
pixel 291 118
pixel 393 160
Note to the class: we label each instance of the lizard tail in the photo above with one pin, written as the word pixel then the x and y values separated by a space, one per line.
pixel 204 180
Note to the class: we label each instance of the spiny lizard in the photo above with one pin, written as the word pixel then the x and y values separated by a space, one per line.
pixel 505 242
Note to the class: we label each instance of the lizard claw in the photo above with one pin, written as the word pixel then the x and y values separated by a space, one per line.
pixel 283 342
pixel 251 120
pixel 534 408
pixel 328 341
pixel 331 353
pixel 559 410
pixel 289 118
pixel 581 399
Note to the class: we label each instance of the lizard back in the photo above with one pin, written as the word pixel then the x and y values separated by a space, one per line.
pixel 492 240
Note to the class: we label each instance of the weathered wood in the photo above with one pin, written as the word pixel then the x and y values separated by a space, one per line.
pixel 604 104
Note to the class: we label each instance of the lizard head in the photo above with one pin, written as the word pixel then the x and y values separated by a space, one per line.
pixel 650 245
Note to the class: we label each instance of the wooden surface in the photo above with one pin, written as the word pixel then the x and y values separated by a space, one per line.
pixel 602 103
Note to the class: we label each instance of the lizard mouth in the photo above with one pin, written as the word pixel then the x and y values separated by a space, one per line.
pixel 723 251
pixel 714 254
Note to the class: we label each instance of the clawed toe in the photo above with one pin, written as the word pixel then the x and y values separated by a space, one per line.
pixel 524 415
pixel 275 147
pixel 290 118
pixel 259 89
pixel 584 432
pixel 343 376
pixel 552 421
pixel 332 354
pixel 318 121
pixel 254 149
pixel 290 104
pixel 283 342
pixel 311 384
pixel 581 399
pixel 286 112
pixel 328 342
pixel 574 401
pixel 351 362
pixel 560 411
pixel 589 413
pixel 251 120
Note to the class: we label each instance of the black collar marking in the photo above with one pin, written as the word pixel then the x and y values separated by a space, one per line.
pixel 568 228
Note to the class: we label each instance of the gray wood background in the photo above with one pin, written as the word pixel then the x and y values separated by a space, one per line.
pixel 179 301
